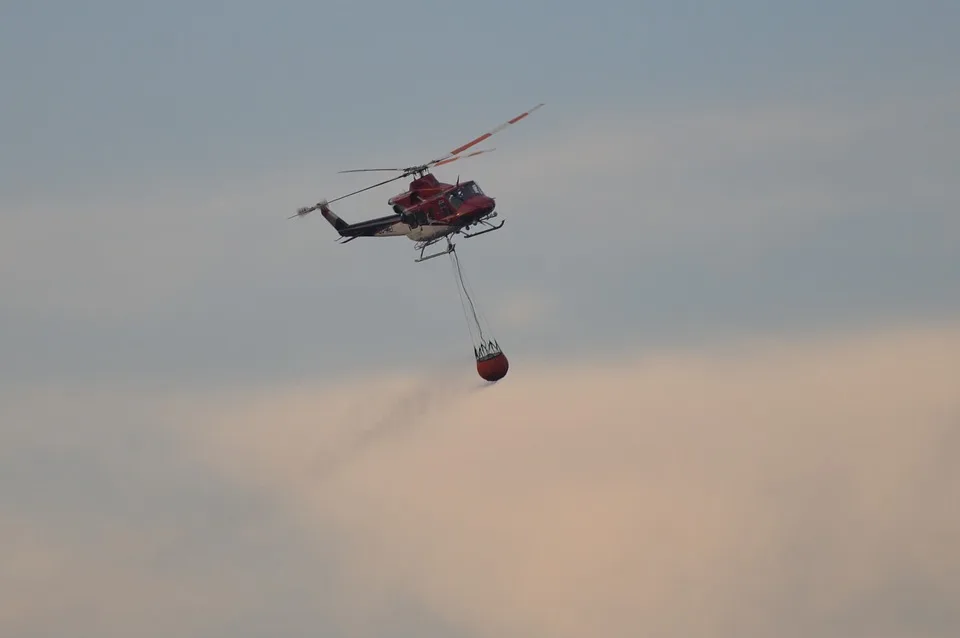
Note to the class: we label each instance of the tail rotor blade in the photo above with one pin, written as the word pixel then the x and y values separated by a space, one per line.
pixel 301 212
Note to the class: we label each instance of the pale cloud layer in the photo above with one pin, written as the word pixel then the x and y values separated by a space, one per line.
pixel 751 489
pixel 789 490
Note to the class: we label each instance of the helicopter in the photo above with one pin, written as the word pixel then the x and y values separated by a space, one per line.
pixel 430 210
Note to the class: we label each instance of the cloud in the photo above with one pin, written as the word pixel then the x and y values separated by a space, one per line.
pixel 713 174
pixel 523 309
pixel 754 488
pixel 110 529
pixel 797 489
pixel 122 254
pixel 105 583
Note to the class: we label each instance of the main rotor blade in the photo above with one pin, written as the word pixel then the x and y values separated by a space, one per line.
pixel 486 135
pixel 458 157
pixel 386 181
pixel 370 170
pixel 452 156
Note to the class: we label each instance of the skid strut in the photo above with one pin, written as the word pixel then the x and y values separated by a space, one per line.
pixel 450 245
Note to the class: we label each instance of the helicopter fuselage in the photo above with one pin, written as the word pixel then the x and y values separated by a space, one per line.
pixel 429 210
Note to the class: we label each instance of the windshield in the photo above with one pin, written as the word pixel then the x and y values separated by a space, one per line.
pixel 463 192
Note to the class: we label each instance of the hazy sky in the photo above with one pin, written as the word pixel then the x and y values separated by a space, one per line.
pixel 701 175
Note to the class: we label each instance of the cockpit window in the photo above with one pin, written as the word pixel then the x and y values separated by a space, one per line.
pixel 463 192
pixel 469 189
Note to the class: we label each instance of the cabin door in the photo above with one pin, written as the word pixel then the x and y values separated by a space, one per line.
pixel 443 208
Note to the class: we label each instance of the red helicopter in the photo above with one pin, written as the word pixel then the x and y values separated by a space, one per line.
pixel 430 210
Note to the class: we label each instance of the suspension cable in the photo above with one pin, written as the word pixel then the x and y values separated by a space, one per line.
pixel 473 308
pixel 482 319
pixel 460 294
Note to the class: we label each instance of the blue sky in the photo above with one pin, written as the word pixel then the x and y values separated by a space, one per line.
pixel 124 126
pixel 701 174
pixel 191 91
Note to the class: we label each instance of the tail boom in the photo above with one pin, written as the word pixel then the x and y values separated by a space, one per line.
pixel 388 226
pixel 338 224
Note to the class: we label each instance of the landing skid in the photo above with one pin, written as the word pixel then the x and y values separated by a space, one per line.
pixel 484 232
pixel 450 245
pixel 450 248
